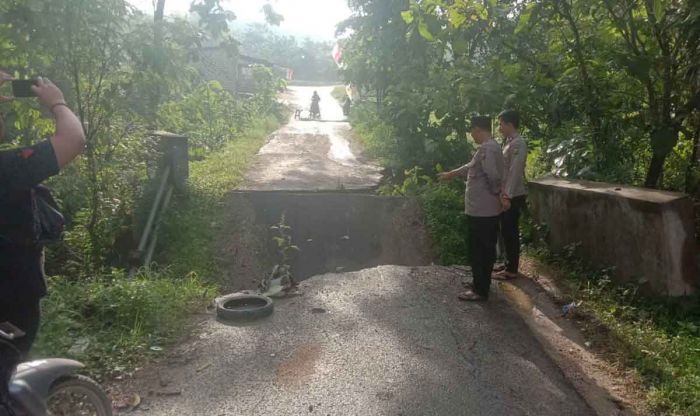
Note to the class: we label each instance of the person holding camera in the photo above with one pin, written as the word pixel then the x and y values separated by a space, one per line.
pixel 22 282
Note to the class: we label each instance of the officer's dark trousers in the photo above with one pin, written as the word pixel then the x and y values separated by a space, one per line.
pixel 510 232
pixel 25 315
pixel 483 233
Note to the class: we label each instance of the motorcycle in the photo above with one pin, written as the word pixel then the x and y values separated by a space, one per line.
pixel 315 111
pixel 50 387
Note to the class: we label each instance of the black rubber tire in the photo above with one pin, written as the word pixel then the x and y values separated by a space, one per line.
pixel 84 385
pixel 243 307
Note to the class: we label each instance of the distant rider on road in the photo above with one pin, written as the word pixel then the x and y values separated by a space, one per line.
pixel 315 108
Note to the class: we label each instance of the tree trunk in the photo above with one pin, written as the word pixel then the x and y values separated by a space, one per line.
pixel 158 24
pixel 158 43
pixel 591 105
pixel 656 168
pixel 692 165
pixel 159 12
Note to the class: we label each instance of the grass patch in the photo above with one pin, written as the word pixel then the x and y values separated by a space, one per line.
pixel 111 322
pixel 447 224
pixel 660 338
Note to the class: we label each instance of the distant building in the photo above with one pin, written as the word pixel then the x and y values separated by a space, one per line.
pixel 233 71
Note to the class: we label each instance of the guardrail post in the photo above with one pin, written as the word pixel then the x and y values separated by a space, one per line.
pixel 172 174
pixel 175 151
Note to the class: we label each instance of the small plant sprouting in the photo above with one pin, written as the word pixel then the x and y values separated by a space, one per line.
pixel 280 279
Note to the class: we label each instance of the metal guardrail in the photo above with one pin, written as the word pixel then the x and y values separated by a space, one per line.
pixel 173 173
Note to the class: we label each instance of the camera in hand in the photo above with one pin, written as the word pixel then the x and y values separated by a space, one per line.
pixel 23 87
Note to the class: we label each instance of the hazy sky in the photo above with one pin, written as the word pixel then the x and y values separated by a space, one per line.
pixel 312 18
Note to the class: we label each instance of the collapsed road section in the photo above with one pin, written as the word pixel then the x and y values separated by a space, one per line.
pixel 335 232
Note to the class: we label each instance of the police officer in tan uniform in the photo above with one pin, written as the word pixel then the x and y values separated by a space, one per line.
pixel 482 204
pixel 514 191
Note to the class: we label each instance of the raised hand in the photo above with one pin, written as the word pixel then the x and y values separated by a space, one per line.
pixel 49 94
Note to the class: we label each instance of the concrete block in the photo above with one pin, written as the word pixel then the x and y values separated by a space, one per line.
pixel 647 235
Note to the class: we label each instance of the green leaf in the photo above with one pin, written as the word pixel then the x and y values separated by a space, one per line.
pixel 658 10
pixel 525 18
pixel 407 16
pixel 456 17
pixel 423 30
pixel 481 11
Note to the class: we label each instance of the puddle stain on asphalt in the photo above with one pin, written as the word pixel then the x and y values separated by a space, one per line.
pixel 299 367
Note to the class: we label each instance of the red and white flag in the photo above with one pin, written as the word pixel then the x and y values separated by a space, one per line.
pixel 337 54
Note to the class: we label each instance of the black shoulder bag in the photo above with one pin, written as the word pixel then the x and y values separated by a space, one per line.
pixel 49 223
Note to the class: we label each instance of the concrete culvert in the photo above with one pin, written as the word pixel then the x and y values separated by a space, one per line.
pixel 243 307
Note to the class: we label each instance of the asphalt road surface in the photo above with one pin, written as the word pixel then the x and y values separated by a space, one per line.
pixel 312 155
pixel 390 340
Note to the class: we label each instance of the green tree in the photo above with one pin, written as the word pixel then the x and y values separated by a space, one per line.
pixel 605 87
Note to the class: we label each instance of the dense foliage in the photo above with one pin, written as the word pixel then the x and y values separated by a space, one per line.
pixel 608 90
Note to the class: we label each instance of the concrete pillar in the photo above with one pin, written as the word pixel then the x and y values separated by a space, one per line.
pixel 174 148
pixel 647 235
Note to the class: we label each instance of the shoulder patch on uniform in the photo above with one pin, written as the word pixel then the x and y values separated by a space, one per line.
pixel 26 153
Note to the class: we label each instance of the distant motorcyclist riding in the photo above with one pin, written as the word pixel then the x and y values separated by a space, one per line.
pixel 315 110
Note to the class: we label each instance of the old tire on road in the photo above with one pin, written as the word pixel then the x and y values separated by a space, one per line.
pixel 243 307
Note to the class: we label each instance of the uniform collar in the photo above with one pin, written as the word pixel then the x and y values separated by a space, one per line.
pixel 491 139
pixel 516 137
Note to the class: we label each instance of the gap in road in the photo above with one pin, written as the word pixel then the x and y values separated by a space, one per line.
pixel 335 232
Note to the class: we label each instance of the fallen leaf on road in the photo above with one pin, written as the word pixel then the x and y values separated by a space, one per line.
pixel 204 367
pixel 135 401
